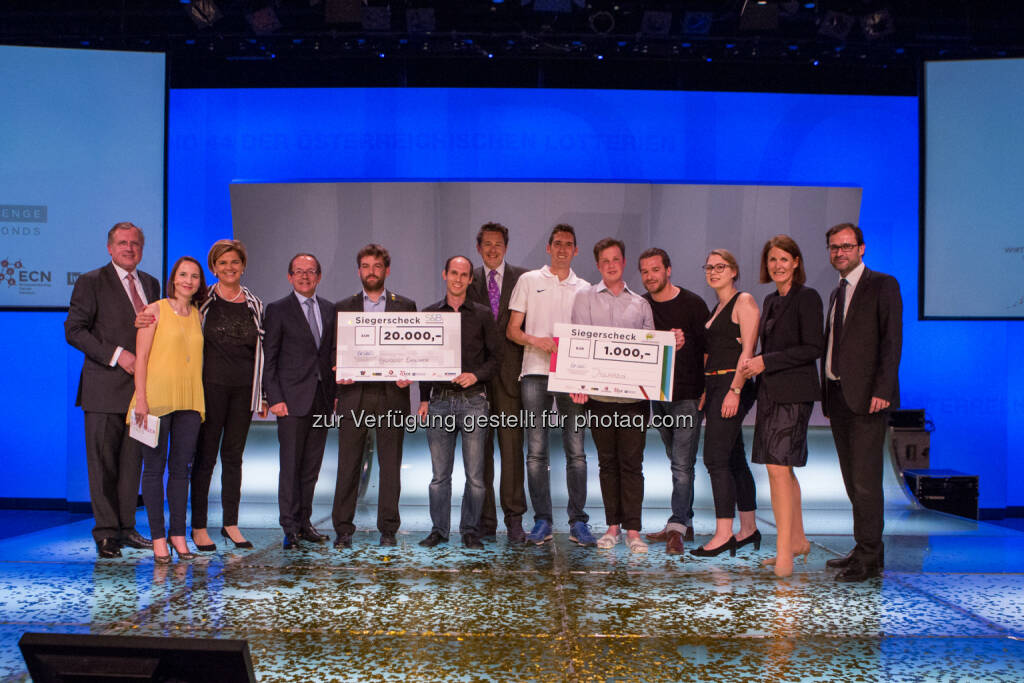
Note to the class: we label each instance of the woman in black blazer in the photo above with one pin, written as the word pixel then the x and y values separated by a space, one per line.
pixel 792 341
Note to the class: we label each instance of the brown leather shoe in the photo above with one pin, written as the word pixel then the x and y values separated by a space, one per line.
pixel 658 536
pixel 674 543
pixel 689 534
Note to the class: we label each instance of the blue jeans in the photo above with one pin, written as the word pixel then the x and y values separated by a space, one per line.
pixel 537 402
pixel 681 445
pixel 442 458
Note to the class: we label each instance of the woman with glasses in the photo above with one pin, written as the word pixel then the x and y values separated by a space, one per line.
pixel 792 341
pixel 730 338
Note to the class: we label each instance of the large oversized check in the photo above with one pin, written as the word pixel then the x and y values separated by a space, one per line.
pixel 384 347
pixel 613 361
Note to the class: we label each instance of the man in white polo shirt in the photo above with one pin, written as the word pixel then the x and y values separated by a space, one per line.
pixel 542 298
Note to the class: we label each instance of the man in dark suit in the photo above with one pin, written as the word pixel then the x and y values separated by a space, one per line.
pixel 101 324
pixel 372 398
pixel 492 286
pixel 297 379
pixel 860 376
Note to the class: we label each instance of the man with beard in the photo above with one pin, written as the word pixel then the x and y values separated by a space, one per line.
pixel 860 380
pixel 372 398
pixel 684 313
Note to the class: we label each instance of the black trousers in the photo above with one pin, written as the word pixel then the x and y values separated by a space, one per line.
pixel 732 484
pixel 620 459
pixel 114 464
pixel 228 416
pixel 174 453
pixel 860 444
pixel 351 444
pixel 301 454
pixel 511 488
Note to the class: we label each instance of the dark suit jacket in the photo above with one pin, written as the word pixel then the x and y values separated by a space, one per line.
pixel 511 353
pixel 291 358
pixel 349 395
pixel 791 344
pixel 872 342
pixel 101 318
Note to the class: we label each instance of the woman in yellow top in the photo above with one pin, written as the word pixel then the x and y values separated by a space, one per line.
pixel 169 385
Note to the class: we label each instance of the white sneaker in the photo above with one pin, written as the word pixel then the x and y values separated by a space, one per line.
pixel 607 541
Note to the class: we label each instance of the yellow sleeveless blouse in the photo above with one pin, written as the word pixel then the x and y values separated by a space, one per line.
pixel 174 378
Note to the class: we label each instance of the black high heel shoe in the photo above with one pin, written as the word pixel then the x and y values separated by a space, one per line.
pixel 729 545
pixel 187 555
pixel 206 548
pixel 238 544
pixel 754 539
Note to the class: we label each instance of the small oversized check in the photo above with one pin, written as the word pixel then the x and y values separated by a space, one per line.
pixel 613 361
pixel 384 347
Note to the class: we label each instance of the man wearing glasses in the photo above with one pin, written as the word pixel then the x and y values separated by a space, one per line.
pixel 297 378
pixel 864 332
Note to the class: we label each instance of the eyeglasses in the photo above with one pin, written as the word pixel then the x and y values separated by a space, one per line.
pixel 716 268
pixel 845 248
pixel 306 273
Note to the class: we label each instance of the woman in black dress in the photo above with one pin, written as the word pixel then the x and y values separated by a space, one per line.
pixel 792 341
pixel 731 335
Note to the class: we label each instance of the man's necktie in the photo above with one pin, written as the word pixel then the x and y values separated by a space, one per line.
pixel 837 326
pixel 311 319
pixel 493 292
pixel 134 293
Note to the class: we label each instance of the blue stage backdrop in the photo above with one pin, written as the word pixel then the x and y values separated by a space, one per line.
pixel 956 370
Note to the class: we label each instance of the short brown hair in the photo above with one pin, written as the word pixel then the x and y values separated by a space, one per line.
pixel 607 243
pixel 666 262
pixel 221 247
pixel 845 226
pixel 125 225
pixel 562 227
pixel 200 294
pixel 376 251
pixel 491 227
pixel 726 256
pixel 788 245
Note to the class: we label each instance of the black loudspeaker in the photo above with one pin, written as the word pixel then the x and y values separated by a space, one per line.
pixel 945 490
pixel 52 657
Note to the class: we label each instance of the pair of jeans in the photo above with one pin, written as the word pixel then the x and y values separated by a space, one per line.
pixel 228 415
pixel 678 423
pixel 181 428
pixel 537 401
pixel 464 407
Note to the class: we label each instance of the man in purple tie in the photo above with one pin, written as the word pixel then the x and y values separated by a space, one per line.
pixel 492 286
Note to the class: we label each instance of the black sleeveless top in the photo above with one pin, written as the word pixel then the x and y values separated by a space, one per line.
pixel 721 339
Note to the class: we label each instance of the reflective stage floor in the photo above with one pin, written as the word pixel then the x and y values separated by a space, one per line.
pixel 948 608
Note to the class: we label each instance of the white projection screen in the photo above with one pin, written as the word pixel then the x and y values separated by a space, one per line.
pixel 972 237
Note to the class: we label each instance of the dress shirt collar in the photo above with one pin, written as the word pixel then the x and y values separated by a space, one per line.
pixel 500 270
pixel 121 272
pixel 303 299
pixel 854 277
pixel 602 287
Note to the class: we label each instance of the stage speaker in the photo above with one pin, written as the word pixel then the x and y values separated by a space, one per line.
pixel 945 490
pixel 52 657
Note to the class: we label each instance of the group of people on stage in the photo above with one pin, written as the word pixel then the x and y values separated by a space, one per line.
pixel 205 358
